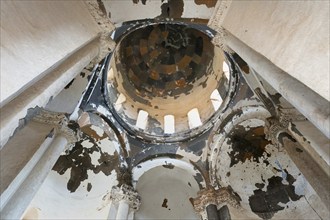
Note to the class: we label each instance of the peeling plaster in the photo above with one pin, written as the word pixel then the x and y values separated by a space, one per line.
pixel 271 171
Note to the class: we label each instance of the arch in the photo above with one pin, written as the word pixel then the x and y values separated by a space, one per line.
pixel 220 132
pixel 145 166
pixel 166 187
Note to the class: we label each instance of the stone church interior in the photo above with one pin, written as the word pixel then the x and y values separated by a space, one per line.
pixel 165 109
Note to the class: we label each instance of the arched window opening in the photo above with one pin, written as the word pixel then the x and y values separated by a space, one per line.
pixel 216 99
pixel 194 119
pixel 119 103
pixel 142 119
pixel 169 124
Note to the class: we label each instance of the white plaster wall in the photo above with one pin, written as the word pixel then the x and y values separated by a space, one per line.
pixel 294 35
pixel 68 98
pixel 165 192
pixel 36 36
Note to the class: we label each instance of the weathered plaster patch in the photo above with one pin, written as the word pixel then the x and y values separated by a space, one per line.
pixel 189 155
pixel 266 203
pixel 98 130
pixel 82 158
pixel 251 175
pixel 248 145
pixel 172 9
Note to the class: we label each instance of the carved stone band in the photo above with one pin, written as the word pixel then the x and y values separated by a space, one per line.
pixel 220 197
pixel 127 193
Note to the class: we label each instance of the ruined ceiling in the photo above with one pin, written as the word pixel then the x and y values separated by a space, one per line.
pixel 168 67
pixel 165 59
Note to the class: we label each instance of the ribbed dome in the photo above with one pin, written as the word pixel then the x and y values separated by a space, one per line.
pixel 165 59
pixel 166 78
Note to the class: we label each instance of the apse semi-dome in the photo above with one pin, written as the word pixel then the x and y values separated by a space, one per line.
pixel 167 78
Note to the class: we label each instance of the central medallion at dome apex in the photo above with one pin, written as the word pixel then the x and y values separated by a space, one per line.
pixel 165 59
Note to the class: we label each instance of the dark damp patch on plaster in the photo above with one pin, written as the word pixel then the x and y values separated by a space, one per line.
pixel 276 98
pixel 234 194
pixel 79 160
pixel 199 178
pixel 102 7
pixel 295 130
pixel 69 84
pixel 191 200
pixel 247 145
pixel 89 187
pixel 204 83
pixel 266 162
pixel 92 133
pixel 137 1
pixel 172 9
pixel 266 101
pixel 228 174
pixel 154 126
pixel 124 176
pixel 164 204
pixel 242 92
pixel 208 3
pixel 260 185
pixel 242 64
pixel 283 135
pixel 262 179
pixel 197 146
pixel 89 76
pixel 168 166
pixel 265 203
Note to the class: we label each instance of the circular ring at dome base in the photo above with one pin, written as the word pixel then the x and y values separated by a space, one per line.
pixel 167 82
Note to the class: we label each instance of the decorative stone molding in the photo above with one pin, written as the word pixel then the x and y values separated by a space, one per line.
pixel 127 193
pixel 287 115
pixel 219 14
pixel 61 123
pixel 275 126
pixel 272 129
pixel 220 197
pixel 216 24
pixel 219 41
pixel 99 13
